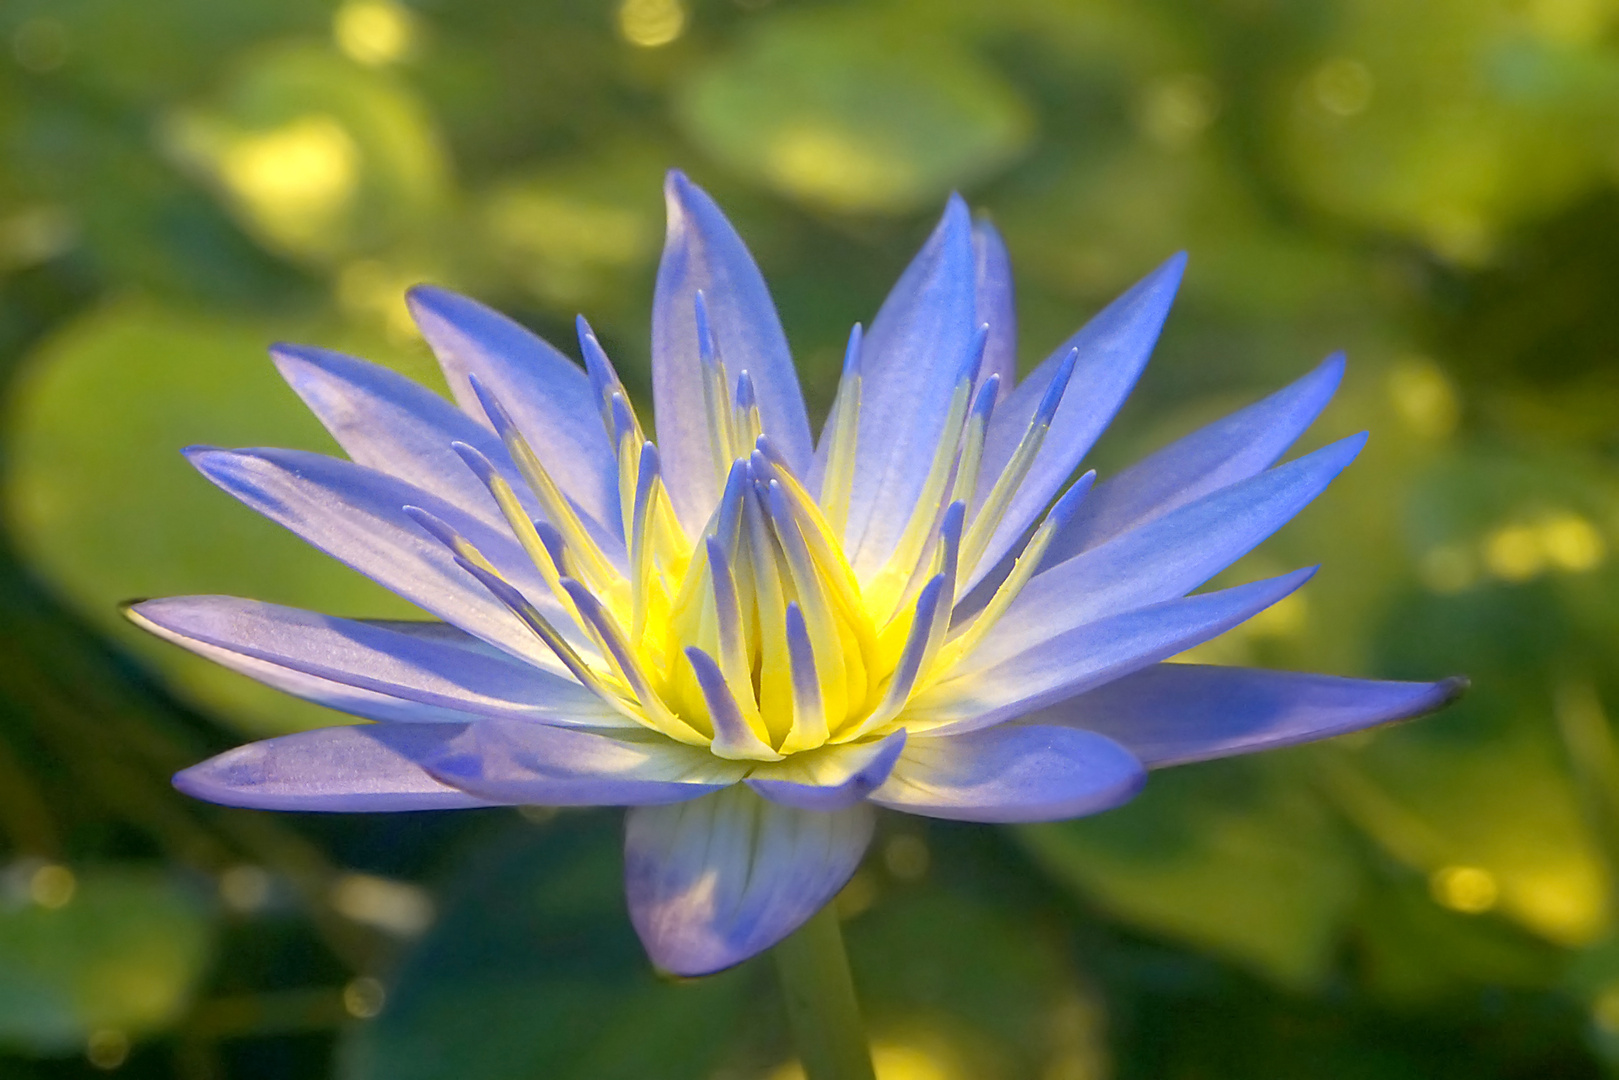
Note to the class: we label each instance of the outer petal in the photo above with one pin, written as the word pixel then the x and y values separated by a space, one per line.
pixel 1230 449
pixel 717 880
pixel 1170 714
pixel 350 769
pixel 378 659
pixel 995 688
pixel 703 252
pixel 830 778
pixel 908 364
pixel 994 305
pixel 515 762
pixel 354 514
pixel 1012 774
pixel 1172 554
pixel 1113 348
pixel 386 422
pixel 547 395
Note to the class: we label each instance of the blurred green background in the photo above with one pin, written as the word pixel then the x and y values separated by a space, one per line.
pixel 1429 186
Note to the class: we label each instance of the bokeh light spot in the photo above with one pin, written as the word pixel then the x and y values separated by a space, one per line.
pixel 891 1060
pixel 374 32
pixel 857 896
pixel 1467 889
pixel 1448 569
pixel 244 888
pixel 829 165
pixel 296 177
pixel 52 886
pixel 1423 398
pixel 371 290
pixel 1572 543
pixel 107 1048
pixel 364 997
pixel 40 45
pixel 1175 111
pixel 395 906
pixel 906 856
pixel 1514 553
pixel 651 23
pixel 1343 87
pixel 1605 1010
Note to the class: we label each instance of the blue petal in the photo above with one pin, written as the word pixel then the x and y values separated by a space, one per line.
pixel 375 658
pixel 1230 449
pixel 1172 554
pixel 355 515
pixel 372 767
pixel 715 881
pixel 1113 348
pixel 831 778
pixel 909 361
pixel 548 396
pixel 537 764
pixel 387 422
pixel 992 291
pixel 1012 774
pixel 999 683
pixel 1170 714
pixel 702 252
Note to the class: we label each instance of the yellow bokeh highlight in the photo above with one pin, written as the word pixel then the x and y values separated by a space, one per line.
pixel 1284 619
pixel 1569 22
pixel 1566 541
pixel 1175 111
pixel 651 23
pixel 823 164
pixel 1343 87
pixel 1423 398
pixel 893 1060
pixel 374 32
pixel 294 180
pixel 371 290
pixel 1468 889
pixel 1448 569
pixel 1605 1009
pixel 107 1048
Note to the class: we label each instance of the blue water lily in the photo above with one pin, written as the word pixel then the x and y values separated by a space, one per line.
pixel 750 636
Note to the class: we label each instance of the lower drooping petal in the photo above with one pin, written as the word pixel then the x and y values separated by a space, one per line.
pixel 377 658
pixel 371 767
pixel 1009 686
pixel 713 881
pixel 1012 774
pixel 830 779
pixel 1171 714
pixel 510 761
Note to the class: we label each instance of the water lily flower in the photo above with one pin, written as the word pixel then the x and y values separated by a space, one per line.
pixel 751 636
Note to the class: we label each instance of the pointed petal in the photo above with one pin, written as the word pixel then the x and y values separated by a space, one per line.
pixel 386 422
pixel 703 252
pixel 371 767
pixel 1012 774
pixel 909 360
pixel 831 778
pixel 355 515
pixel 995 307
pixel 996 684
pixel 1230 449
pixel 377 659
pixel 1172 554
pixel 548 395
pixel 538 764
pixel 717 880
pixel 1113 348
pixel 1170 714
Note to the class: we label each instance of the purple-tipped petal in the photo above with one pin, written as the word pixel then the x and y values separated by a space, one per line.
pixel 1171 714
pixel 702 252
pixel 537 764
pixel 1113 348
pixel 995 306
pixel 1012 774
pixel 832 778
pixel 1229 450
pixel 714 881
pixel 548 396
pixel 997 683
pixel 909 361
pixel 377 659
pixel 371 767
pixel 386 422
pixel 356 515
pixel 1172 554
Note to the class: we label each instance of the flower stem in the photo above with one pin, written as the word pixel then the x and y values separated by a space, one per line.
pixel 821 1006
